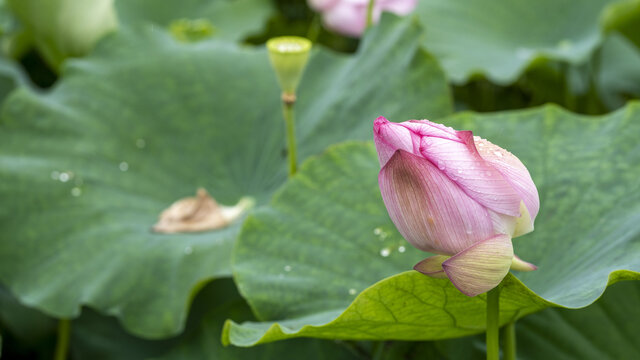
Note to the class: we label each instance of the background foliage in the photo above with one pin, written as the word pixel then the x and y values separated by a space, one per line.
pixel 94 146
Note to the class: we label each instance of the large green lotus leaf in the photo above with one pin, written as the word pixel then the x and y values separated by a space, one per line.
pixel 231 19
pixel 619 77
pixel 603 330
pixel 87 168
pixel 326 236
pixel 500 40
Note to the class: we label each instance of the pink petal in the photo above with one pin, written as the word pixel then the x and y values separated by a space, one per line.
pixel 482 266
pixel 400 7
pixel 432 266
pixel 428 128
pixel 390 137
pixel 463 164
pixel 521 265
pixel 321 5
pixel 347 18
pixel 514 172
pixel 429 209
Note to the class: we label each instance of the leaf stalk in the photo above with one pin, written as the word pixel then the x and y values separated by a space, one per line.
pixel 62 343
pixel 288 100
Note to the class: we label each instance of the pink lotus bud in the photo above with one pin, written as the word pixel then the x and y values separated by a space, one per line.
pixel 349 17
pixel 457 195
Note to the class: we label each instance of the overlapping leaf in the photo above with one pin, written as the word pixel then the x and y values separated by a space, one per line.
pixel 596 332
pixel 619 77
pixel 82 182
pixel 326 236
pixel 229 19
pixel 500 40
pixel 600 331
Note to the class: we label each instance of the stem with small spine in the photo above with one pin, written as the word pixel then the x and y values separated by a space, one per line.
pixel 287 110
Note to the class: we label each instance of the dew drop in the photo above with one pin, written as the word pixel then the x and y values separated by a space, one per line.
pixel 402 249
pixel 377 231
pixel 76 191
pixel 123 166
pixel 459 171
pixel 140 143
pixel 55 175
pixel 385 252
pixel 64 177
pixel 469 231
pixel 287 268
pixel 497 153
pixel 352 291
pixel 487 173
pixel 188 250
pixel 441 165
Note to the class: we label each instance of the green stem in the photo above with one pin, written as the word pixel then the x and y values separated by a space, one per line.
pixel 314 29
pixel 509 341
pixel 287 110
pixel 493 324
pixel 62 344
pixel 370 12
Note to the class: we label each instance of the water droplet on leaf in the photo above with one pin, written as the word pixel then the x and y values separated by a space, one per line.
pixel 64 177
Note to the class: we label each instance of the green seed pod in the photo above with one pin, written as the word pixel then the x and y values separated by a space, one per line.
pixel 289 56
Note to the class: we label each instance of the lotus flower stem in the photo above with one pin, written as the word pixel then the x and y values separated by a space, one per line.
pixel 287 110
pixel 370 12
pixel 493 324
pixel 288 56
pixel 509 341
pixel 62 344
pixel 314 29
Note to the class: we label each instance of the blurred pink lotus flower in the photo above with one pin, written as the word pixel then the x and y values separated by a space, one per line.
pixel 349 17
pixel 457 195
